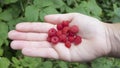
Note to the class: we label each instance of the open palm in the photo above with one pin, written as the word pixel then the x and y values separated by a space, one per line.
pixel 31 38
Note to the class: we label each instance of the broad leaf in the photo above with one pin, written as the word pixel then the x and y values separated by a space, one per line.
pixel 3 32
pixel 63 64
pixel 4 62
pixel 47 64
pixel 9 1
pixel 1 51
pixel 31 13
pixel 47 11
pixel 42 3
pixel 6 15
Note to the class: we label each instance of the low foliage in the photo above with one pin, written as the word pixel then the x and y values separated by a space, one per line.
pixel 16 11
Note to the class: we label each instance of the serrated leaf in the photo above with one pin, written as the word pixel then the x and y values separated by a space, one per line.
pixel 94 8
pixel 82 8
pixel 42 3
pixel 12 23
pixel 83 66
pixel 6 15
pixel 47 64
pixel 117 12
pixel 15 61
pixel 63 64
pixel 4 62
pixel 58 3
pixel 9 1
pixel 69 2
pixel 102 63
pixel 89 7
pixel 31 62
pixel 3 32
pixel 31 13
pixel 47 11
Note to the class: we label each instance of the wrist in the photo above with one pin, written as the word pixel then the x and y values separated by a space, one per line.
pixel 113 39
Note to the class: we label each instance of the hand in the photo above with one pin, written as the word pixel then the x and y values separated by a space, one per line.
pixel 31 38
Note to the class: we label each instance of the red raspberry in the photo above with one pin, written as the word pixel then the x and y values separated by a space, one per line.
pixel 63 38
pixel 54 39
pixel 71 38
pixel 68 44
pixel 65 30
pixel 59 33
pixel 71 34
pixel 59 26
pixel 74 29
pixel 52 32
pixel 77 40
pixel 65 23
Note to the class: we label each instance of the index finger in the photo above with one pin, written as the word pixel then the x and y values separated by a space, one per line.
pixel 34 27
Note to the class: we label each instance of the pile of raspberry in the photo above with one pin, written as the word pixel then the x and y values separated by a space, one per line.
pixel 65 34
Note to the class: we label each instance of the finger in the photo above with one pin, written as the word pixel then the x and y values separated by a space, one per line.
pixel 17 44
pixel 40 52
pixel 15 35
pixel 58 18
pixel 34 27
pixel 63 51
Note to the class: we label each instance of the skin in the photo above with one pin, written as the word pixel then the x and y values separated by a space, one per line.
pixel 30 38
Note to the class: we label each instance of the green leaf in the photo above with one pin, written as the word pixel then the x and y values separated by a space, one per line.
pixel 82 8
pixel 89 7
pixel 1 42
pixel 4 62
pixel 63 64
pixel 47 11
pixel 1 52
pixel 47 64
pixel 15 61
pixel 6 15
pixel 9 1
pixel 116 14
pixel 31 13
pixel 94 8
pixel 115 19
pixel 83 66
pixel 12 23
pixel 0 10
pixel 69 2
pixel 102 63
pixel 3 32
pixel 31 62
pixel 42 3
pixel 58 3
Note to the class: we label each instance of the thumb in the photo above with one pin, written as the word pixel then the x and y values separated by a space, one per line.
pixel 58 18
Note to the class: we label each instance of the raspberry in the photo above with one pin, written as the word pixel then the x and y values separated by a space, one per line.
pixel 54 39
pixel 68 44
pixel 74 29
pixel 65 30
pixel 77 40
pixel 59 26
pixel 71 38
pixel 65 23
pixel 52 32
pixel 71 34
pixel 64 34
pixel 63 38
pixel 59 33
